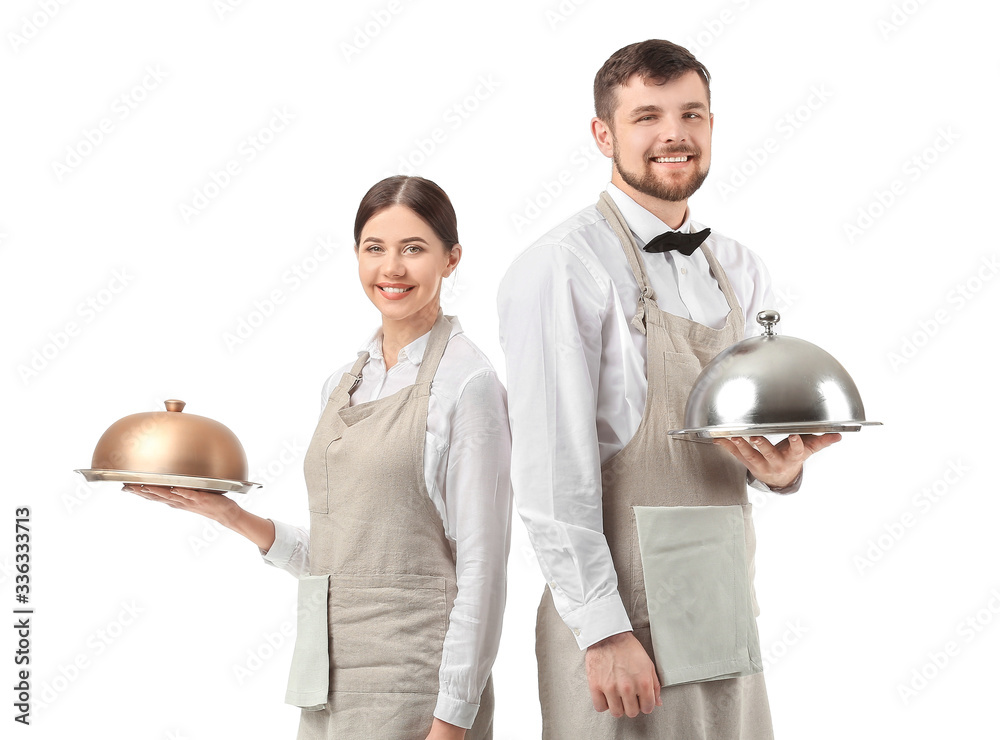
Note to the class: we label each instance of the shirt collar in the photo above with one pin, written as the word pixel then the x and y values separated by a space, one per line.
pixel 413 352
pixel 643 224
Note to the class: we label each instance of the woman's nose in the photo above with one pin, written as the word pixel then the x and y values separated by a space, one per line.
pixel 393 264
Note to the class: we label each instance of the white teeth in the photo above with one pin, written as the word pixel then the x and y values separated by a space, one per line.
pixel 393 290
pixel 670 159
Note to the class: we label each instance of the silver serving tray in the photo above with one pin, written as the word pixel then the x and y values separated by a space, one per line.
pixel 213 485
pixel 707 434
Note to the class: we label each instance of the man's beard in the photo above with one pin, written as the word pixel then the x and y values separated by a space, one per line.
pixel 648 184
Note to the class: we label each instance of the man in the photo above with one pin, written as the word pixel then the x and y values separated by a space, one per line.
pixel 604 328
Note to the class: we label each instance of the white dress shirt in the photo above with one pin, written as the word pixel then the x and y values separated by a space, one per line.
pixel 576 377
pixel 467 471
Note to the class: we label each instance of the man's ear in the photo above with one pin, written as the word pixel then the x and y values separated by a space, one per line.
pixel 603 135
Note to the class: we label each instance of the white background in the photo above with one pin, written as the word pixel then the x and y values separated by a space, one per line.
pixel 150 624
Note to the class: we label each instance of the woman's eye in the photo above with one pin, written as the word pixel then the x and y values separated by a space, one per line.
pixel 414 247
pixel 373 248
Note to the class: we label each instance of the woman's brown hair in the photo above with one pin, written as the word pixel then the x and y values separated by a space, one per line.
pixel 424 197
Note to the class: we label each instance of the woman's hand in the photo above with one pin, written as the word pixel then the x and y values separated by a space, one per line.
pixel 212 505
pixel 215 506
pixel 441 730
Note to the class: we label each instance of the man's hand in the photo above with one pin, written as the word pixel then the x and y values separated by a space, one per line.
pixel 622 678
pixel 776 466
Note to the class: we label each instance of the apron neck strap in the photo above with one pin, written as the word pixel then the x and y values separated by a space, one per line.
pixel 617 222
pixel 436 342
pixel 352 379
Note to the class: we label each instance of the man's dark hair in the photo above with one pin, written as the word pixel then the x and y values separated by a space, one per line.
pixel 655 61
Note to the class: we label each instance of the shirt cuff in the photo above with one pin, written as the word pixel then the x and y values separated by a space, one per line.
pixel 599 619
pixel 282 547
pixel 761 486
pixel 455 711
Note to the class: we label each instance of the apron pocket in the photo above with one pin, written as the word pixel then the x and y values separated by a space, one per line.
pixel 695 569
pixel 387 632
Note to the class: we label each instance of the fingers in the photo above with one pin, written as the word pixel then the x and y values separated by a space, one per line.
pixel 740 448
pixel 728 446
pixel 647 700
pixel 625 702
pixel 655 693
pixel 756 452
pixel 817 442
pixel 174 496
pixel 616 706
pixel 599 699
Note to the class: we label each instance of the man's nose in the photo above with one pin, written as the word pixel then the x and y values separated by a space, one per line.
pixel 672 129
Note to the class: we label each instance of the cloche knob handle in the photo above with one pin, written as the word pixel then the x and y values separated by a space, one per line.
pixel 768 319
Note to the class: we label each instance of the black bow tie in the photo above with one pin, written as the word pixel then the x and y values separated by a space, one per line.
pixel 674 240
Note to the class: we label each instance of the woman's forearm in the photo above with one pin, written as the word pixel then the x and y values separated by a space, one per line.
pixel 257 529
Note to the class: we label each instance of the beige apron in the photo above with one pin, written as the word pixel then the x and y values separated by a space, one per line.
pixel 655 470
pixel 375 532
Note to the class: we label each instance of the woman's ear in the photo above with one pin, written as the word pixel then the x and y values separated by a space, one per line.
pixel 454 256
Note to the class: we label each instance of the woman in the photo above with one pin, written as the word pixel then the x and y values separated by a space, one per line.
pixel 409 497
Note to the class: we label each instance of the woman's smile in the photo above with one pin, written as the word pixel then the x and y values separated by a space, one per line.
pixel 394 291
